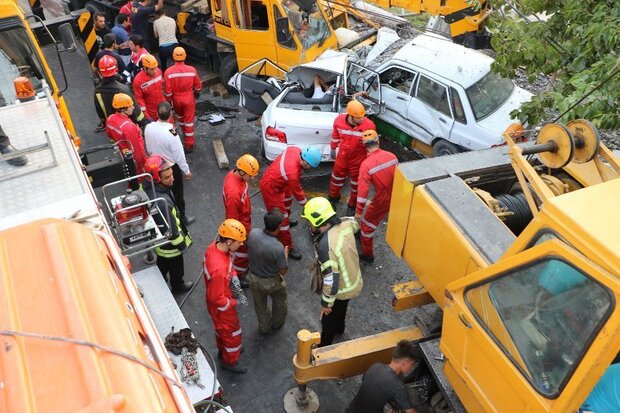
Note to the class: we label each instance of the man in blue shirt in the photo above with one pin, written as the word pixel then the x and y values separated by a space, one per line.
pixel 140 12
pixel 122 37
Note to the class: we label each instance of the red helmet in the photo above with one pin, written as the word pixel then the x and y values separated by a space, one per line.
pixel 107 66
pixel 155 164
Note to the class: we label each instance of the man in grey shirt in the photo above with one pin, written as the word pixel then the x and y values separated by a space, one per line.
pixel 268 262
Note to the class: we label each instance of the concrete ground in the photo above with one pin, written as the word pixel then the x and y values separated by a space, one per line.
pixel 269 358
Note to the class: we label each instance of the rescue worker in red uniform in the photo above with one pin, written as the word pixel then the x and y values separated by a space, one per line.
pixel 348 151
pixel 237 205
pixel 378 168
pixel 181 87
pixel 120 127
pixel 148 87
pixel 281 181
pixel 218 274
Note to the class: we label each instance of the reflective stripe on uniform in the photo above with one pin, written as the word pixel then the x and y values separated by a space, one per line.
pixel 373 226
pixel 232 349
pixel 286 228
pixel 349 132
pixel 226 306
pixel 114 129
pixel 150 82
pixel 328 299
pixel 361 200
pixel 282 169
pixel 367 234
pixel 236 333
pixel 338 178
pixel 382 166
pixel 240 254
pixel 181 74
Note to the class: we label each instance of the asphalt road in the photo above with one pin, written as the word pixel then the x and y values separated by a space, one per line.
pixel 267 357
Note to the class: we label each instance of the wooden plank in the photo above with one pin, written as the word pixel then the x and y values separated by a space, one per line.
pixel 220 154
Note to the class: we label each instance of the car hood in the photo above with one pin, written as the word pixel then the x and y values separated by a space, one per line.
pixel 499 120
pixel 328 66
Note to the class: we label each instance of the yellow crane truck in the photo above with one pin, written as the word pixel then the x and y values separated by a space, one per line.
pixel 519 246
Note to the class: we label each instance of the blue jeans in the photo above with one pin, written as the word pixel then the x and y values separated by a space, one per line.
pixel 165 52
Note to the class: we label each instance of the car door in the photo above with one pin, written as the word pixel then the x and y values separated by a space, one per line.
pixel 257 86
pixel 429 111
pixel 461 129
pixel 396 85
pixel 361 79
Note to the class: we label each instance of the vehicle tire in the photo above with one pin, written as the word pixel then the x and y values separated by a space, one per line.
pixel 442 147
pixel 228 67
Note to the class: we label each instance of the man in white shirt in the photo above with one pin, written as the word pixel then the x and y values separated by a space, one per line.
pixel 164 29
pixel 161 139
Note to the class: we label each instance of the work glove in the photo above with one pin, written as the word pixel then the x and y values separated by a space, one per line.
pixel 235 288
pixel 332 154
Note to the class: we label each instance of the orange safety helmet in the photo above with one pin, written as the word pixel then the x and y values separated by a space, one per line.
pixel 356 109
pixel 233 229
pixel 148 61
pixel 121 101
pixel 370 136
pixel 155 164
pixel 178 54
pixel 248 164
pixel 107 66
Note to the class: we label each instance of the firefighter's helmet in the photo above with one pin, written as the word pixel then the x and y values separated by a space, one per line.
pixel 178 54
pixel 356 109
pixel 121 101
pixel 233 229
pixel 318 210
pixel 149 62
pixel 248 164
pixel 107 66
pixel 155 164
pixel 369 137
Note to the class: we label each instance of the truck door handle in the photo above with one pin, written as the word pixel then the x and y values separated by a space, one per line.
pixel 401 98
pixel 442 120
pixel 464 320
pixel 316 132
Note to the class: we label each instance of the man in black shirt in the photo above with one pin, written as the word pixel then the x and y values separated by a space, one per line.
pixel 383 385
pixel 100 28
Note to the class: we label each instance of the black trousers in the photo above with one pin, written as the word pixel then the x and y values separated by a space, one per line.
pixel 174 267
pixel 177 190
pixel 165 53
pixel 333 323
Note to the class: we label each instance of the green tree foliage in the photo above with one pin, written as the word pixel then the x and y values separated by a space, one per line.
pixel 578 46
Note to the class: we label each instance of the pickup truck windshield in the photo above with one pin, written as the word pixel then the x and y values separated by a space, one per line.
pixel 488 94
pixel 310 27
pixel 17 58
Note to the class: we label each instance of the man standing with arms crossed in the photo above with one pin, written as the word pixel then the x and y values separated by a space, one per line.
pixel 281 181
pixel 161 138
pixel 268 266
pixel 348 151
pixel 221 303
pixel 237 206
pixel 378 168
pixel 181 87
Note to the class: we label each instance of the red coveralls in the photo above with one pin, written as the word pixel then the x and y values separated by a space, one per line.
pixel 280 182
pixel 119 127
pixel 237 206
pixel 351 153
pixel 218 273
pixel 181 82
pixel 149 92
pixel 377 168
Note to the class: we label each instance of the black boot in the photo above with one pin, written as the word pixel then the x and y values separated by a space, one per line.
pixel 350 211
pixel 234 368
pixel 294 254
pixel 182 288
pixel 8 150
pixel 334 202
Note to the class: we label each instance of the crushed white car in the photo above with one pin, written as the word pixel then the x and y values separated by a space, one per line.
pixel 440 94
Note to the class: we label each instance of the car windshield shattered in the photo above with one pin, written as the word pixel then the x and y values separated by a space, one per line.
pixel 311 27
pixel 488 94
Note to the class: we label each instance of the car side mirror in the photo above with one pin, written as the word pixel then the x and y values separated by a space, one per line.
pixel 67 37
pixel 283 33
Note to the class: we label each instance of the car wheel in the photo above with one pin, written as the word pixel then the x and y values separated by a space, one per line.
pixel 442 147
pixel 228 67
